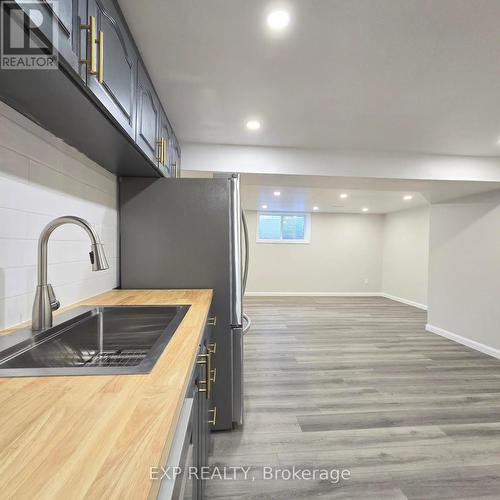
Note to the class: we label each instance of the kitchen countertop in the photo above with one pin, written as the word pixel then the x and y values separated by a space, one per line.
pixel 97 436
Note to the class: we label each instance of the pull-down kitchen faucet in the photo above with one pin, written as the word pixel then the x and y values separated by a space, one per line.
pixel 45 299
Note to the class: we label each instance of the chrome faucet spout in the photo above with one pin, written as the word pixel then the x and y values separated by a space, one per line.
pixel 45 299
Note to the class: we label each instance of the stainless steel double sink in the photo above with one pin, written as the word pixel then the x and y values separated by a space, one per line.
pixel 93 340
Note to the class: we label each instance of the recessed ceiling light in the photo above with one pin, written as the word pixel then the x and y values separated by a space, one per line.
pixel 315 208
pixel 264 206
pixel 253 124
pixel 364 209
pixel 408 197
pixel 344 196
pixel 277 193
pixel 278 19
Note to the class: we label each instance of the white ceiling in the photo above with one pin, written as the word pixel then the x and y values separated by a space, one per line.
pixel 300 193
pixel 293 199
pixel 386 75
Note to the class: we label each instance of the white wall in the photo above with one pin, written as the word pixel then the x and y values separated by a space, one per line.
pixel 464 269
pixel 345 250
pixel 278 160
pixel 42 178
pixel 405 256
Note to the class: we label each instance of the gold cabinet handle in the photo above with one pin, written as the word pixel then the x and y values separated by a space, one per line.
pixel 212 321
pixel 100 75
pixel 210 374
pixel 160 150
pixel 214 417
pixel 209 371
pixel 164 151
pixel 202 359
pixel 202 389
pixel 91 60
pixel 161 146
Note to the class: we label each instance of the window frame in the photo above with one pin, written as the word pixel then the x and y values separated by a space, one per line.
pixel 307 228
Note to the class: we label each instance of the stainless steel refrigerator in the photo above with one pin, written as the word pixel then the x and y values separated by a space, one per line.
pixel 187 233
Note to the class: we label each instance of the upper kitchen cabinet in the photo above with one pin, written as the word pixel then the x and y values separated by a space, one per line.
pixel 111 62
pixel 164 136
pixel 60 27
pixel 175 158
pixel 148 119
pixel 99 98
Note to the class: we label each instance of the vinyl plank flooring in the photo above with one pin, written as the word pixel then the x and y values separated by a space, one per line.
pixel 449 483
pixel 397 418
pixel 357 383
pixel 293 442
pixel 303 490
pixel 389 458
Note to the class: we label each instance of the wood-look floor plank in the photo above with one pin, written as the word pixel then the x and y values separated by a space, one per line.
pixel 358 383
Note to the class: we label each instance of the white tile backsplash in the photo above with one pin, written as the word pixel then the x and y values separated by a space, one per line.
pixel 41 178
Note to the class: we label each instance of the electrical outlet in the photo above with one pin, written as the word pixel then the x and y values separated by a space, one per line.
pixel 366 281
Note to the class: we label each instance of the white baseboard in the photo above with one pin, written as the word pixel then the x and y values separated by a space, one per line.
pixel 491 351
pixel 404 301
pixel 312 294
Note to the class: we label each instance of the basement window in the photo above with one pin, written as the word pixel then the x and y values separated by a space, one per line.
pixel 284 228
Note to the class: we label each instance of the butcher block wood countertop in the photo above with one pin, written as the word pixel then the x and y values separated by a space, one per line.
pixel 97 436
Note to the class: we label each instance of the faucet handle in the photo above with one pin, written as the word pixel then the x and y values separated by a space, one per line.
pixel 54 303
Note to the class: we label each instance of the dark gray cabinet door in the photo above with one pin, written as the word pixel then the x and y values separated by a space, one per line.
pixel 60 26
pixel 165 134
pixel 114 83
pixel 68 30
pixel 204 406
pixel 148 117
pixel 175 157
pixel 202 439
pixel 192 490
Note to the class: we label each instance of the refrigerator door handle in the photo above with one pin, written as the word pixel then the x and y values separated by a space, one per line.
pixel 247 250
pixel 246 320
pixel 236 264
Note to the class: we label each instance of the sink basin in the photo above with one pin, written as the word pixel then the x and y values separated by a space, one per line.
pixel 93 340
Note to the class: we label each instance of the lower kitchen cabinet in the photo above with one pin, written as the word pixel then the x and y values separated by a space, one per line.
pixel 191 444
pixel 207 412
